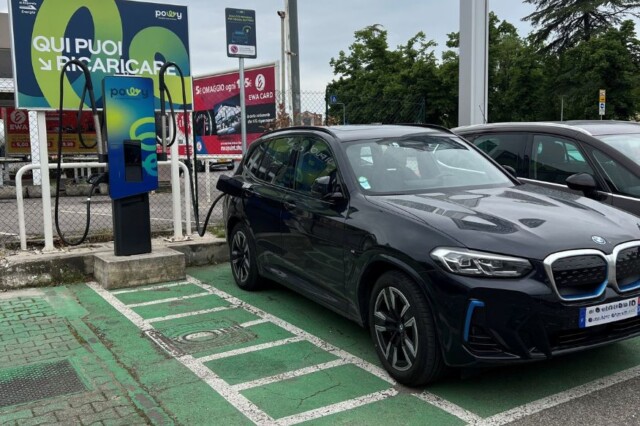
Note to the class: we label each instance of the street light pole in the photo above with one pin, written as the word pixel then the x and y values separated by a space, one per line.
pixel 282 14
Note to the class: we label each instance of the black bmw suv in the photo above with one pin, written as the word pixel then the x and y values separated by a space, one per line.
pixel 421 237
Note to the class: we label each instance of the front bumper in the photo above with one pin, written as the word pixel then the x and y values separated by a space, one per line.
pixel 489 322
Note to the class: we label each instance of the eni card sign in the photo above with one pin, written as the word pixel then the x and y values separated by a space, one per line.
pixel 112 37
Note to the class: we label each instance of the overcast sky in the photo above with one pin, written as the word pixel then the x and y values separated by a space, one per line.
pixel 326 27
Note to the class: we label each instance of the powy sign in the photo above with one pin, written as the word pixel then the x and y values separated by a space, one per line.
pixel 110 36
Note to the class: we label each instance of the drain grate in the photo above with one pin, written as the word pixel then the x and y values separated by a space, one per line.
pixel 34 382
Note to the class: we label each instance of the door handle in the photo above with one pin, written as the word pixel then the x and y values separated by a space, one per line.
pixel 289 205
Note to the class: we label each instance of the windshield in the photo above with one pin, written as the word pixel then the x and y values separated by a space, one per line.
pixel 420 163
pixel 628 144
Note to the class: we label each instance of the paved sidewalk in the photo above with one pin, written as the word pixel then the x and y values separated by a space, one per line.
pixel 55 369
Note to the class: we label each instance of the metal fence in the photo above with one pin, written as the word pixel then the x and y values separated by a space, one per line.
pixel 317 108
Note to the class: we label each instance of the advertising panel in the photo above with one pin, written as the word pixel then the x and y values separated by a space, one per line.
pixel 216 102
pixel 110 36
pixel 18 132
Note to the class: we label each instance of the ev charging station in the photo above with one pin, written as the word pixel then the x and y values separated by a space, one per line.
pixel 129 115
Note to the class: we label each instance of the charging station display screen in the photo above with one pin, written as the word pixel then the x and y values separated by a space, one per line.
pixel 132 161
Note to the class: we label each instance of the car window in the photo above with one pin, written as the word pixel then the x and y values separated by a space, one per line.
pixel 275 165
pixel 554 159
pixel 618 177
pixel 628 144
pixel 420 163
pixel 252 166
pixel 315 160
pixel 507 149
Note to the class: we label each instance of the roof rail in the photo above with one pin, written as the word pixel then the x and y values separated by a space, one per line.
pixel 428 126
pixel 322 129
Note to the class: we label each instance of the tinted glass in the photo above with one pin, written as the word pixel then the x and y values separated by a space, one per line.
pixel 554 159
pixel 627 144
pixel 252 165
pixel 420 163
pixel 275 165
pixel 621 179
pixel 506 149
pixel 315 160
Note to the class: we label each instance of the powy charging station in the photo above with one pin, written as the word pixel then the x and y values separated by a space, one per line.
pixel 129 116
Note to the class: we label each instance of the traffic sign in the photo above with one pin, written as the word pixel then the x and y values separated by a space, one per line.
pixel 603 96
pixel 241 33
pixel 333 99
pixel 602 108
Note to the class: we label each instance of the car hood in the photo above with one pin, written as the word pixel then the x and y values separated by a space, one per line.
pixel 527 220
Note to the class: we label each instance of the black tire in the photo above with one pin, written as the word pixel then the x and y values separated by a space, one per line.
pixel 242 254
pixel 403 330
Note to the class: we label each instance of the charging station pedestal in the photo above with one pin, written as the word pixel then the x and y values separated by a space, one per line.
pixel 129 110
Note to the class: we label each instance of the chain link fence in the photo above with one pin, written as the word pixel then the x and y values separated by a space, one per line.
pixel 317 108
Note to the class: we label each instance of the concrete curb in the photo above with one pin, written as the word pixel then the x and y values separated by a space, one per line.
pixel 76 265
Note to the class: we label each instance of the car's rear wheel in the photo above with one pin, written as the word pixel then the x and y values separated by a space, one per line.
pixel 242 253
pixel 403 330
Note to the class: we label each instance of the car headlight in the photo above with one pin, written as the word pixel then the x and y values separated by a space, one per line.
pixel 475 263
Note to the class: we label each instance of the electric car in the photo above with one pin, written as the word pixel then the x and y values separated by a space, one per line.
pixel 442 254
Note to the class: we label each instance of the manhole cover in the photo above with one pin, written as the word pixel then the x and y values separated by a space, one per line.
pixel 192 338
pixel 34 382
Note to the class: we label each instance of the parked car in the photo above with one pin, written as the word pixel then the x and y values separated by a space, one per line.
pixel 445 257
pixel 549 153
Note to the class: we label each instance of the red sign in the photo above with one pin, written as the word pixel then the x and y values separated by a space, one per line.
pixel 216 117
pixel 18 140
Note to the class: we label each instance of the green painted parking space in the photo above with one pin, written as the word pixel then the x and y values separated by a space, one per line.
pixel 152 294
pixel 269 362
pixel 503 389
pixel 486 393
pixel 401 409
pixel 315 390
pixel 176 307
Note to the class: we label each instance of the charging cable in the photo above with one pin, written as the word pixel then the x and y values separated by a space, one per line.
pixel 193 184
pixel 95 179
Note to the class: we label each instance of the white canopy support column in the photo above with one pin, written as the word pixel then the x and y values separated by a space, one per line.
pixel 474 55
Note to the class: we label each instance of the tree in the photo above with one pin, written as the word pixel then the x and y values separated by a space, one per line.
pixel 568 22
pixel 377 84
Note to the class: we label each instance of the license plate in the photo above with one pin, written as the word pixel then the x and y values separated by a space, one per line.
pixel 609 312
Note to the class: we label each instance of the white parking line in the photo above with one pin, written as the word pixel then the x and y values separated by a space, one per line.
pixel 242 404
pixel 235 398
pixel 191 314
pixel 155 287
pixel 289 375
pixel 250 349
pixel 169 300
pixel 252 323
pixel 338 408
pixel 559 398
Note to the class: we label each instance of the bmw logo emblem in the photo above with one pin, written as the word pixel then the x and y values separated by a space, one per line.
pixel 598 240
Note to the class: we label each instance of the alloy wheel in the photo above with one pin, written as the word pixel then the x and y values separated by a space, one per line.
pixel 396 328
pixel 240 256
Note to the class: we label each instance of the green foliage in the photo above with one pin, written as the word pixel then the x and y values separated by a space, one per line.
pixel 568 22
pixel 526 81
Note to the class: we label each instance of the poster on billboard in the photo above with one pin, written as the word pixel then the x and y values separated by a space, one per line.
pixel 112 37
pixel 18 132
pixel 216 117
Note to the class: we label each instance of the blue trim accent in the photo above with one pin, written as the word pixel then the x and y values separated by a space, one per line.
pixel 473 304
pixel 597 293
pixel 630 287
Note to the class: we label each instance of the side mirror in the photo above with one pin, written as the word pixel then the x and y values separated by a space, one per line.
pixel 229 185
pixel 510 169
pixel 322 188
pixel 583 182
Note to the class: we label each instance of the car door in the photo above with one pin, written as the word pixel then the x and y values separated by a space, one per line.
pixel 508 149
pixel 624 183
pixel 552 159
pixel 313 227
pixel 268 171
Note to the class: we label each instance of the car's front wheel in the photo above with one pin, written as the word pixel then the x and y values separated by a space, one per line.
pixel 242 253
pixel 403 330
